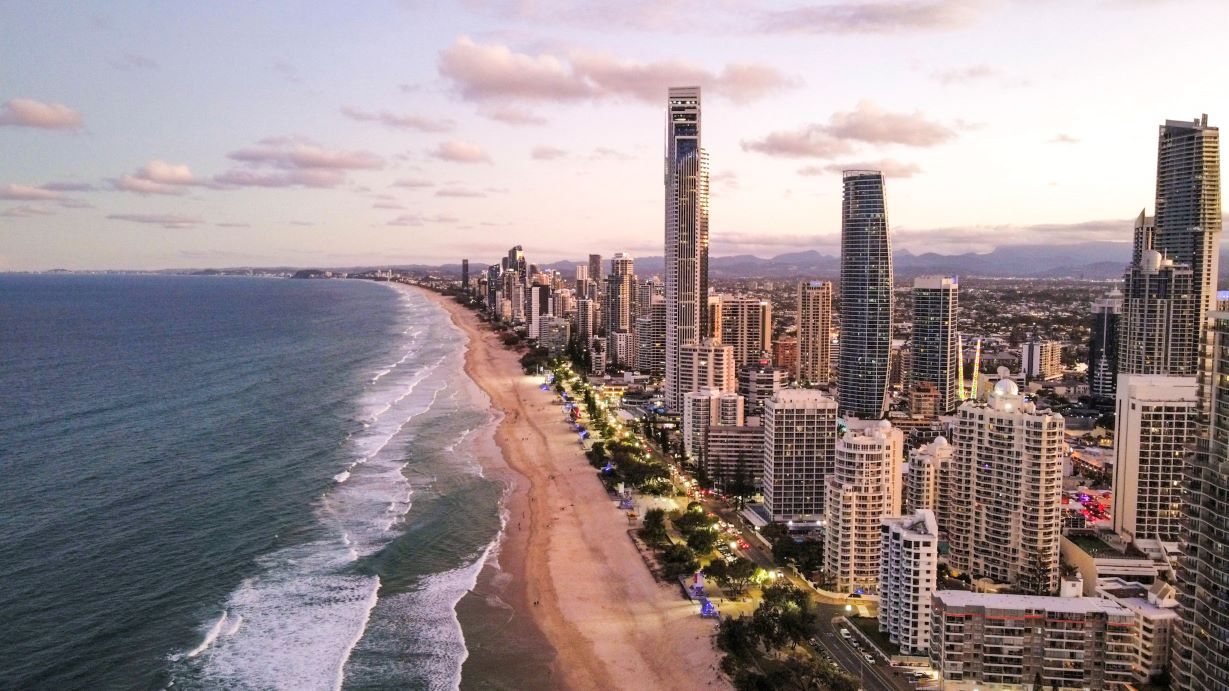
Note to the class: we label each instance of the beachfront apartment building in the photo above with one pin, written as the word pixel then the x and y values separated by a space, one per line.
pixel 812 359
pixel 1155 426
pixel 921 490
pixel 707 364
pixel 800 432
pixel 908 569
pixel 734 456
pixel 1003 486
pixel 863 487
pixel 998 641
pixel 706 408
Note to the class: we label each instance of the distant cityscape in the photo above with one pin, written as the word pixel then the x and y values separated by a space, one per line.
pixel 1028 479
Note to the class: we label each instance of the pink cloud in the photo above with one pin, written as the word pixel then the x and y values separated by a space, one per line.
pixel 27 193
pixel 494 72
pixel 165 220
pixel 295 162
pixel 26 211
pixel 889 167
pixel 865 124
pixel 511 115
pixel 547 153
pixel 459 192
pixel 160 177
pixel 413 183
pixel 458 151
pixel 885 16
pixel 26 112
pixel 400 122
pixel 415 220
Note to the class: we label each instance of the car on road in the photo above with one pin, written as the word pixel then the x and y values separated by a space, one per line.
pixel 844 633
pixel 869 658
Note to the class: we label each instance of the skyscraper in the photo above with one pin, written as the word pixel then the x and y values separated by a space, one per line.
pixel 620 287
pixel 707 364
pixel 1005 488
pixel 936 352
pixel 1158 318
pixel 800 428
pixel 465 275
pixel 686 232
pixel 866 296
pixel 651 337
pixel 1201 647
pixel 864 486
pixel 1103 348
pixel 1188 216
pixel 746 325
pixel 595 269
pixel 814 332
pixel 1154 427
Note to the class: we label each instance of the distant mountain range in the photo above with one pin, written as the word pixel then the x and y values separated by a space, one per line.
pixel 1091 260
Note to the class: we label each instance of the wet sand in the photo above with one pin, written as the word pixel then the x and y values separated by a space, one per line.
pixel 597 619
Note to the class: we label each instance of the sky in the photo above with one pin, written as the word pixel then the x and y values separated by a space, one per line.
pixel 147 135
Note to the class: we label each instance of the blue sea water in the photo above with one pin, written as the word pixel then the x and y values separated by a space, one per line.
pixel 235 483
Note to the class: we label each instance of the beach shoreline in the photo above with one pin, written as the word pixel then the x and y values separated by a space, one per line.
pixel 583 609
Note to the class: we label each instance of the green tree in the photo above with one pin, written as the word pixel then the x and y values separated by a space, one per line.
pixel 654 529
pixel 702 541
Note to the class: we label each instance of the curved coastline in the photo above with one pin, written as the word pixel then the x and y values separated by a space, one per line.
pixel 585 612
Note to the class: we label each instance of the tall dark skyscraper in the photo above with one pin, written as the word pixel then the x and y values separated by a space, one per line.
pixel 465 275
pixel 1103 349
pixel 1188 215
pixel 686 231
pixel 595 269
pixel 935 350
pixel 866 296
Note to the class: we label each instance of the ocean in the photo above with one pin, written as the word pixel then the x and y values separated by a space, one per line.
pixel 236 483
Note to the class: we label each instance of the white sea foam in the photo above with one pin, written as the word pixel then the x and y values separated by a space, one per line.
pixel 342 476
pixel 210 636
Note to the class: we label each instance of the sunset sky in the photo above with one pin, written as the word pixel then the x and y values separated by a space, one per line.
pixel 166 134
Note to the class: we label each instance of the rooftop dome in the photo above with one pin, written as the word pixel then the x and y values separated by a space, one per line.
pixel 1006 387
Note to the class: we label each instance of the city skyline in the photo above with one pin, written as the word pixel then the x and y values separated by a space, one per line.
pixel 293 161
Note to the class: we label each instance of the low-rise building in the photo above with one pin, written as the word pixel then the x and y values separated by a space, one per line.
pixel 734 456
pixel 991 640
pixel 1156 615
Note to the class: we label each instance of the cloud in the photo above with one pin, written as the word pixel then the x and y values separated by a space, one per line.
pixel 233 225
pixel 27 193
pixel 1064 139
pixel 400 122
pixel 812 141
pixel 546 153
pixel 26 112
pixel 295 162
pixel 415 220
pixel 867 123
pixel 458 151
pixel 605 153
pixel 26 211
pixel 132 61
pixel 889 167
pixel 494 72
pixel 164 220
pixel 511 115
pixel 413 183
pixel 871 17
pixel 459 192
pixel 388 205
pixel 160 177
pixel 964 75
pixel 305 224
pixel 69 186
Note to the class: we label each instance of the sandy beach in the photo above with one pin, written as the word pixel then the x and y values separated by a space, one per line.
pixel 567 555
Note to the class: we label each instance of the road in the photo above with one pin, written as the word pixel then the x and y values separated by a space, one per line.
pixel 873 677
